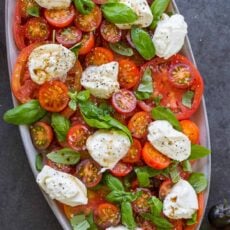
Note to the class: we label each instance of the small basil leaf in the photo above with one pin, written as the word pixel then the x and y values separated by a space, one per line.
pixel 64 156
pixel 198 151
pixel 113 183
pixel 127 215
pixel 198 181
pixel 143 43
pixel 143 178
pixel 96 123
pixel 187 166
pixel 38 162
pixel 25 114
pixel 83 95
pixel 174 173
pixel 33 11
pixel 162 113
pixel 193 220
pixel 90 220
pixel 122 49
pixel 156 206
pixel 75 49
pixel 119 196
pixel 187 99
pixel 157 100
pixel 77 219
pixel 160 222
pixel 73 105
pixel 84 6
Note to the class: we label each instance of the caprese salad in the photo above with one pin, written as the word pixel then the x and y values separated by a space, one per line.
pixel 108 100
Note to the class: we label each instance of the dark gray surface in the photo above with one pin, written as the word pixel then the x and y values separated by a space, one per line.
pixel 23 207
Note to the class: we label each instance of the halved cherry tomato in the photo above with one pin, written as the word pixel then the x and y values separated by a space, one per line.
pixel 41 134
pixel 77 136
pixel 37 30
pixel 89 22
pixel 138 124
pixel 124 101
pixel 154 158
pixel 121 169
pixel 53 96
pixel 61 167
pixel 110 32
pixel 134 153
pixel 165 188
pixel 107 215
pixel 191 130
pixel 25 5
pixel 129 74
pixel 89 172
pixel 60 17
pixel 87 43
pixel 177 224
pixel 68 36
pixel 99 56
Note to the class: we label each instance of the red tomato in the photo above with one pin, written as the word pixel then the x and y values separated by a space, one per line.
pixel 165 188
pixel 41 134
pixel 68 36
pixel 121 169
pixel 89 22
pixel 77 136
pixel 129 74
pixel 107 215
pixel 191 130
pixel 145 106
pixel 25 5
pixel 138 124
pixel 110 32
pixel 99 56
pixel 172 96
pixel 53 96
pixel 60 167
pixel 124 101
pixel 37 30
pixel 88 171
pixel 177 224
pixel 60 17
pixel 134 153
pixel 87 43
pixel 154 158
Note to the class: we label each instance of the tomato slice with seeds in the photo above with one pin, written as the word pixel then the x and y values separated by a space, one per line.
pixel 121 169
pixel 129 74
pixel 61 167
pixel 89 22
pixel 88 171
pixel 53 96
pixel 107 215
pixel 77 136
pixel 138 124
pixel 134 153
pixel 25 5
pixel 41 134
pixel 87 43
pixel 165 189
pixel 60 17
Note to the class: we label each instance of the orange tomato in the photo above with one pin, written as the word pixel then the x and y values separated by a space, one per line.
pixel 191 130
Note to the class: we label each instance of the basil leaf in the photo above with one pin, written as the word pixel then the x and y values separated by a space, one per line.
pixel 77 220
pixel 121 48
pixel 25 114
pixel 198 151
pixel 96 123
pixel 84 6
pixel 39 162
pixel 187 99
pixel 198 181
pixel 113 183
pixel 72 105
pixel 90 220
pixel 119 196
pixel 143 43
pixel 160 222
pixel 75 49
pixel 61 126
pixel 174 173
pixel 162 113
pixel 127 217
pixel 83 95
pixel 118 13
pixel 193 220
pixel 187 166
pixel 158 8
pixel 156 206
pixel 33 11
pixel 64 156
pixel 157 100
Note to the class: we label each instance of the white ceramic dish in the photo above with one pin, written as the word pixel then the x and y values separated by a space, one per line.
pixel 200 117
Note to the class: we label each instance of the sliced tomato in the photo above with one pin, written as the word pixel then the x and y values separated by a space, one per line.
pixel 25 5
pixel 129 74
pixel 107 215
pixel 87 43
pixel 121 169
pixel 77 136
pixel 134 153
pixel 89 172
pixel 99 56
pixel 154 158
pixel 53 96
pixel 37 30
pixel 191 130
pixel 138 124
pixel 165 188
pixel 61 167
pixel 60 17
pixel 68 36
pixel 89 22
pixel 110 32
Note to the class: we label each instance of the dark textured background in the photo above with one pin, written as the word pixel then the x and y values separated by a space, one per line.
pixel 23 207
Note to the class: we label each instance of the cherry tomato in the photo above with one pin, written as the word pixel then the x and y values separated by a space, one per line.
pixel 87 43
pixel 37 30
pixel 68 36
pixel 177 224
pixel 121 169
pixel 147 107
pixel 25 5
pixel 89 22
pixel 77 136
pixel 99 56
pixel 110 32
pixel 124 101
pixel 191 130
pixel 165 188
pixel 154 158
pixel 138 124
pixel 129 74
pixel 41 134
pixel 60 17
pixel 61 167
pixel 88 171
pixel 107 215
pixel 134 153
